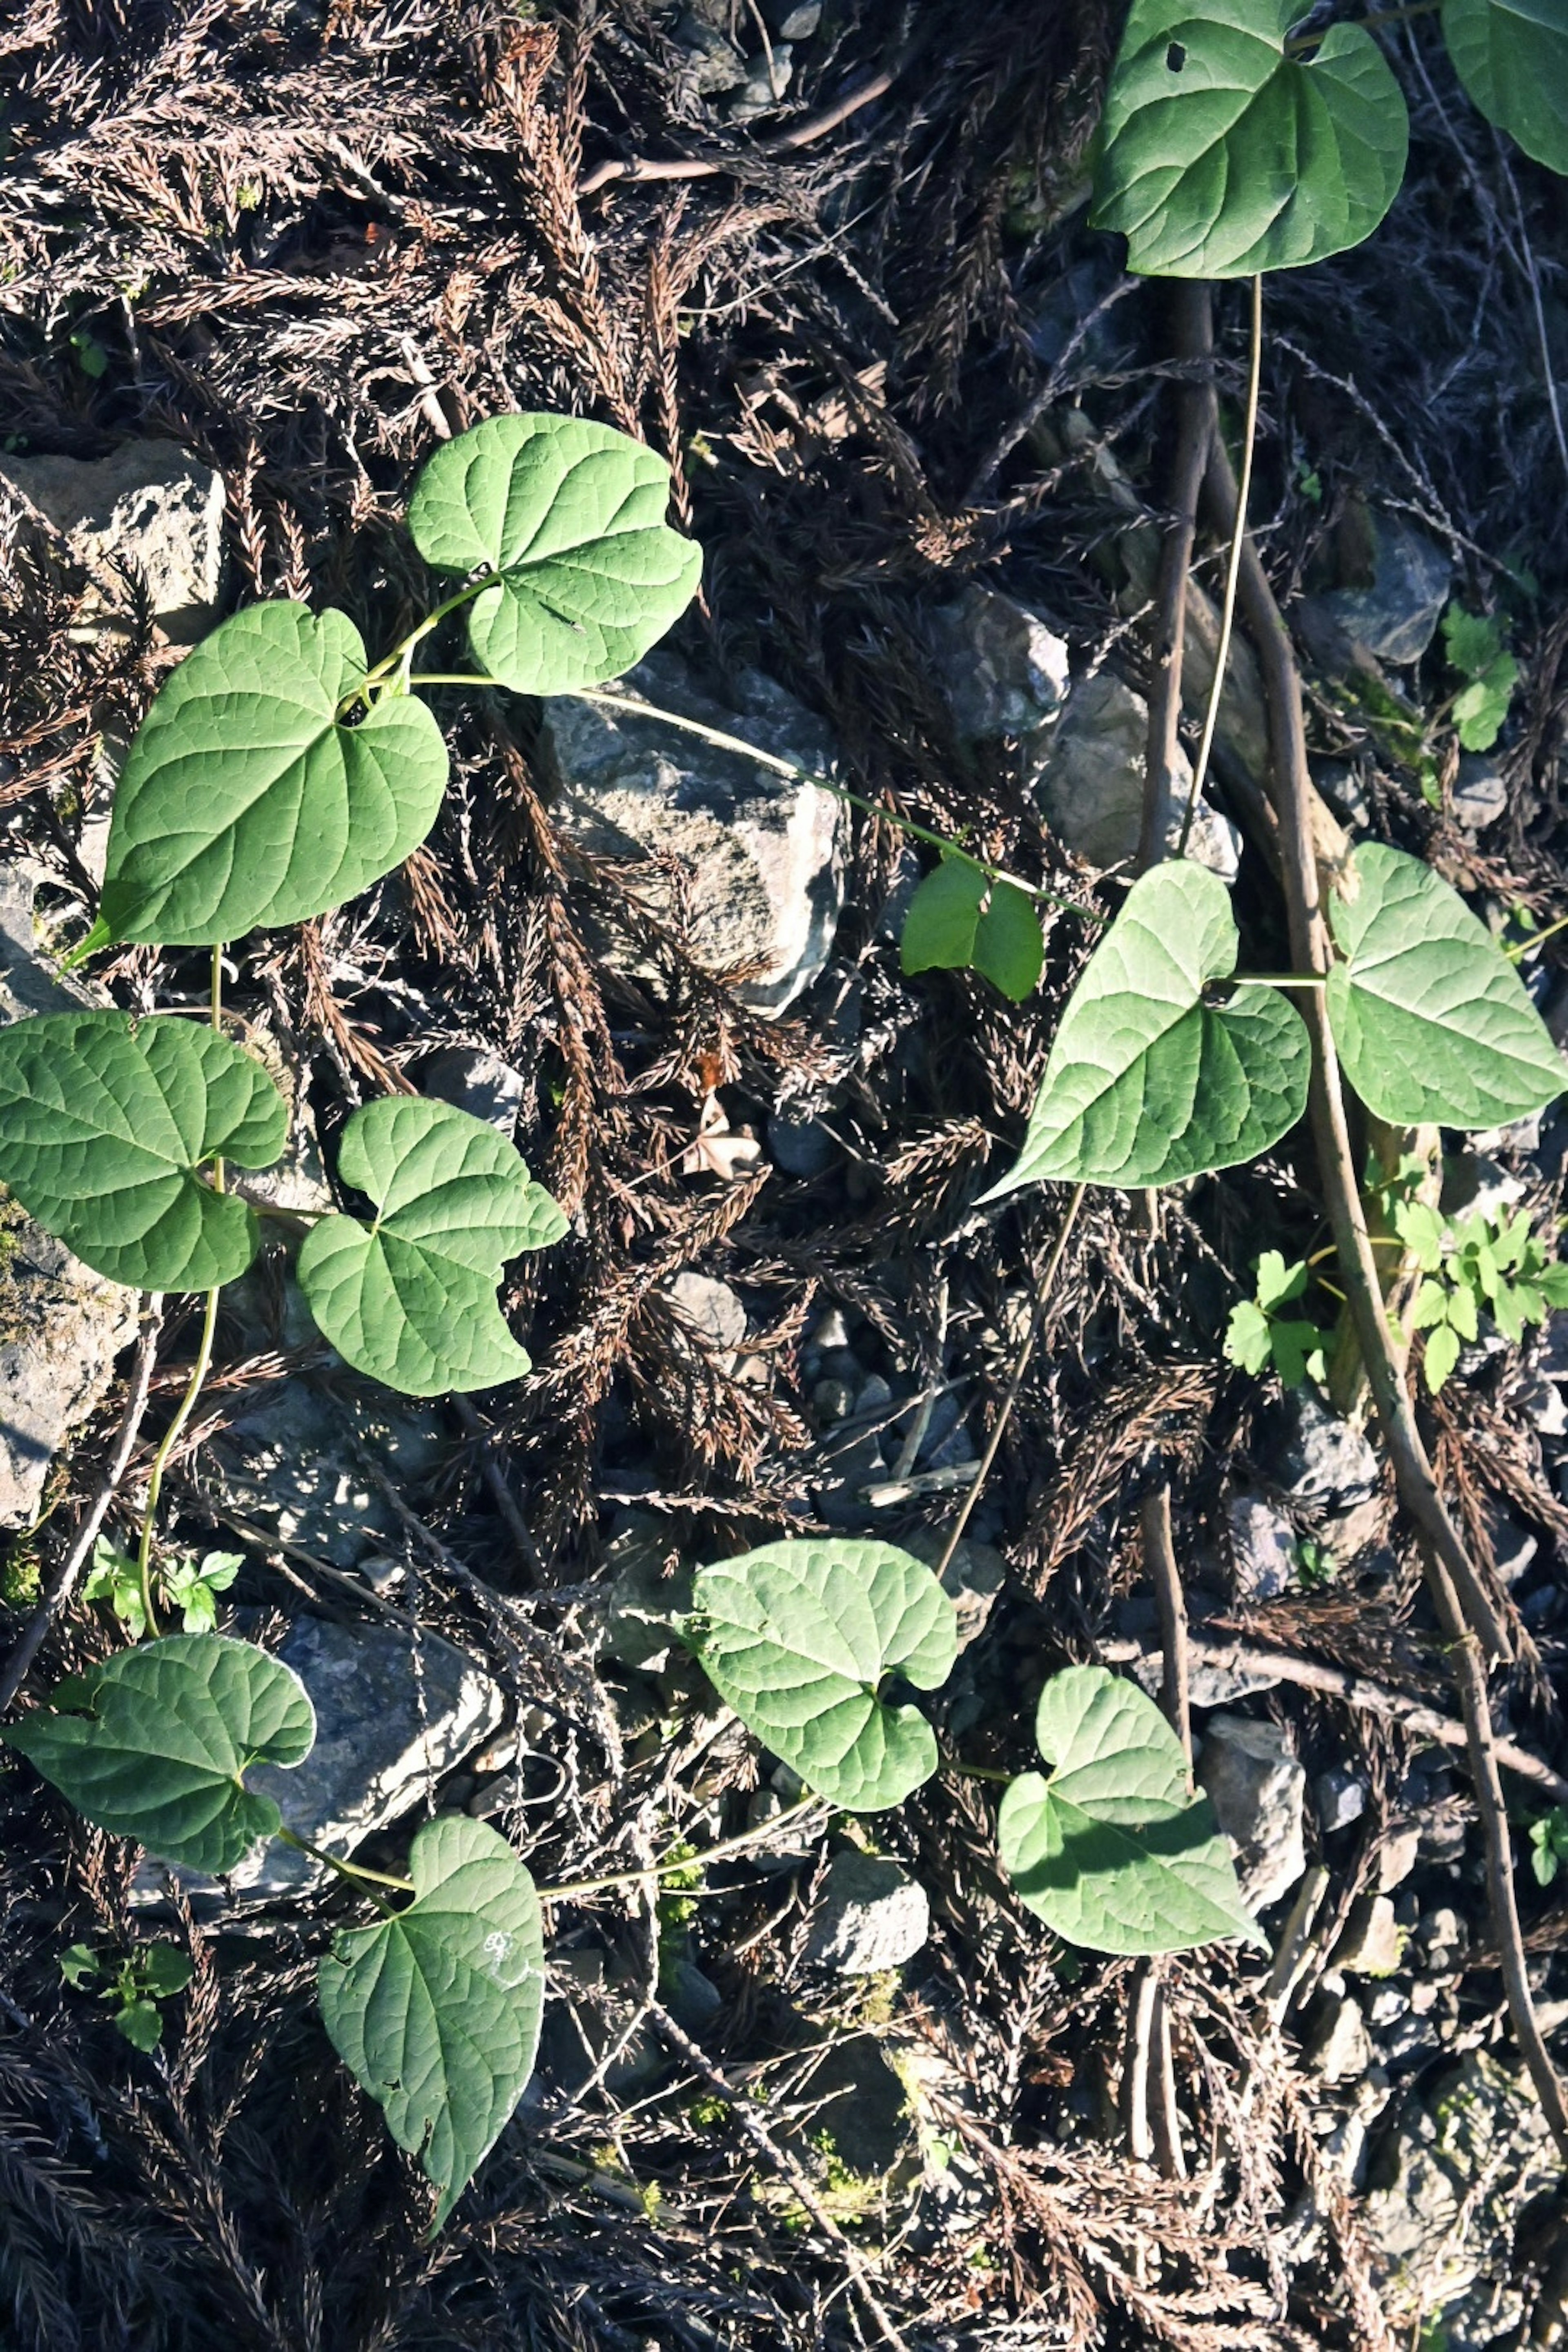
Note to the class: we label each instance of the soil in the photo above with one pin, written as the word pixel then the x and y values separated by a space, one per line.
pixel 308 242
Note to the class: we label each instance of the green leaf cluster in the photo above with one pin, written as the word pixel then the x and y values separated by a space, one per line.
pixel 132 1986
pixel 959 920
pixel 188 1585
pixel 1475 649
pixel 1549 1845
pixel 1111 1849
pixel 1475 1266
pixel 1258 1336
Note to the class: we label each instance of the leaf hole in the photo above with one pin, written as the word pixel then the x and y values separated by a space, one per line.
pixel 1175 58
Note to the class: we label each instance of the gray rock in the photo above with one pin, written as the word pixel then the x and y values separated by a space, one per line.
pixel 1397 1854
pixel 1394 615
pixel 1442 1940
pixel 972 1581
pixel 761 856
pixel 693 1999
pixel 1480 791
pixel 477 1082
pixel 802 1145
pixel 1338 2047
pixel 646 1595
pixel 295 1463
pixel 712 1309
pixel 1000 665
pixel 767 80
pixel 873 1917
pixel 1088 782
pixel 1339 1798
pixel 1468 2153
pixel 1316 1457
pixel 1259 1792
pixel 61 1326
pixel 1262 1549
pixel 1514 1548
pixel 1474 1185
pixel 800 23
pixel 856 2097
pixel 1345 793
pixel 1371 1944
pixel 151 507
pixel 390 1719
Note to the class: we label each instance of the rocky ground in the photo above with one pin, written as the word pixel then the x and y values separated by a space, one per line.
pixel 258 259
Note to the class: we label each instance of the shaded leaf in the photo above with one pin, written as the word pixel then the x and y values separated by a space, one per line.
pixel 959 921
pixel 1429 1017
pixel 1512 57
pixel 798 1636
pixel 1146 1083
pixel 1220 154
pixel 104 1122
pixel 410 1297
pixel 567 518
pixel 436 2012
pixel 176 1724
pixel 244 802
pixel 1110 1851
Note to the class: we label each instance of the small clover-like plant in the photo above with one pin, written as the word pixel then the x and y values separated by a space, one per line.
pixel 133 1985
pixel 1474 1265
pixel 1112 1850
pixel 1258 1336
pixel 1475 649
pixel 188 1585
pixel 1548 1845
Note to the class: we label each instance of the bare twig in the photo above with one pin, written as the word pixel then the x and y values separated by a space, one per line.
pixel 640 168
pixel 1192 326
pixel 744 2111
pixel 14 1673
pixel 1028 417
pixel 1370 1699
pixel 1160 1560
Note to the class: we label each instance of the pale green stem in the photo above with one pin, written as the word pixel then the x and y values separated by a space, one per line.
pixel 354 1874
pixel 1233 570
pixel 401 658
pixel 1522 947
pixel 1279 978
pixel 762 1834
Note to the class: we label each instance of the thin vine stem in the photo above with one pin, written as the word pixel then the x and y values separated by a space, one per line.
pixel 1036 1321
pixel 401 658
pixel 199 1371
pixel 354 1874
pixel 1233 568
pixel 761 1833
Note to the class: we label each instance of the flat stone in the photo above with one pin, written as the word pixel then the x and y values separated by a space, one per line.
pixel 1259 1792
pixel 1480 791
pixel 712 1309
pixel 1317 1457
pixel 1088 782
pixel 477 1082
pixel 151 507
pixel 390 1719
pixel 1262 1549
pixel 802 1145
pixel 761 856
pixel 1338 2047
pixel 295 1463
pixel 1339 1798
pixel 873 1917
pixel 1394 614
pixel 1000 664
pixel 1371 1944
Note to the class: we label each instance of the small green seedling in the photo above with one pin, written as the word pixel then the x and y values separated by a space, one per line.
pixel 190 1586
pixel 1475 1266
pixel 1258 1336
pixel 1316 1567
pixel 1475 649
pixel 132 1986
pixel 1549 1845
pixel 961 919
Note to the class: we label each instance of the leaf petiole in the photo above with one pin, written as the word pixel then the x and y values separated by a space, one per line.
pixel 354 1874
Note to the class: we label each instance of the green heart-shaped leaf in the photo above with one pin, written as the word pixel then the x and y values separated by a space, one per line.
pixel 568 518
pixel 105 1119
pixel 245 801
pixel 175 1727
pixel 1512 57
pixel 1111 1852
pixel 1220 154
pixel 1146 1084
pixel 959 921
pixel 411 1299
pixel 798 1638
pixel 1430 1018
pixel 436 2010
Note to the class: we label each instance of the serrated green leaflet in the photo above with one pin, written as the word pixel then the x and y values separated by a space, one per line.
pixel 175 1727
pixel 1429 1017
pixel 1512 57
pixel 411 1299
pixel 959 921
pixel 1146 1084
pixel 798 1636
pixel 105 1119
pixel 568 516
pixel 244 802
pixel 1110 1851
pixel 1220 155
pixel 436 2010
